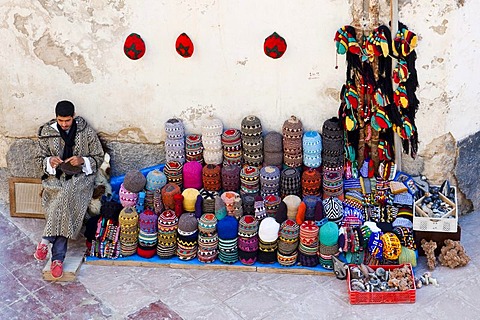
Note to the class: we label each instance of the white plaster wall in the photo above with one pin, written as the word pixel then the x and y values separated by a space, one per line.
pixel 58 49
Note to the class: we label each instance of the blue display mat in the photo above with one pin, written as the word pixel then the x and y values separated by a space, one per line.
pixel 177 263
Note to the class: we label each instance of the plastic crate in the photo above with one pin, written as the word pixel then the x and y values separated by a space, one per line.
pixel 358 297
pixel 448 223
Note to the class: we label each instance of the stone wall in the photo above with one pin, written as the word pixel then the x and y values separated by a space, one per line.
pixel 69 50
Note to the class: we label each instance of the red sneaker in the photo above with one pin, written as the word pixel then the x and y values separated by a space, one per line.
pixel 56 268
pixel 41 252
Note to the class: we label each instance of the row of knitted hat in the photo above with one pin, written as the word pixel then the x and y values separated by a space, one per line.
pixel 134 47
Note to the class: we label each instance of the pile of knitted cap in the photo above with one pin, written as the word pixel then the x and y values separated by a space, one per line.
pixel 187 243
pixel 259 206
pixel 212 129
pixel 288 239
pixel 147 236
pixel 272 203
pixel 133 183
pixel 332 158
pixel 291 182
pixel 233 204
pixel 269 181
pixel 175 141
pixel 313 208
pixel 192 175
pixel 167 225
pixel 212 178
pixel 168 193
pixel 207 238
pixel 173 170
pixel 292 202
pixel 292 142
pixel 208 203
pixel 252 141
pixel 311 182
pixel 312 149
pixel 156 179
pixel 273 149
pixel 249 180
pixel 247 239
pixel 248 203
pixel 128 221
pixel 227 229
pixel 194 148
pixel 268 235
pixel 328 244
pixel 232 147
pixel 308 247
pixel 230 177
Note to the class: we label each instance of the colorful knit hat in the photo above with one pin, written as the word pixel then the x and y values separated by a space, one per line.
pixel 173 170
pixel 329 234
pixel 134 46
pixel 189 199
pixel 274 46
pixel 259 206
pixel 212 127
pixel 156 179
pixel 194 148
pixel 174 129
pixel 168 191
pixel 391 246
pixel 212 178
pixel 292 202
pixel 333 209
pixel 220 209
pixel 230 178
pixel 227 228
pixel 268 230
pixel 184 46
pixel 192 175
pixel 127 198
pixel 187 224
pixel 134 181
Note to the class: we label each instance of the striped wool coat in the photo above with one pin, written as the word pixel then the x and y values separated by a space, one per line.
pixel 65 201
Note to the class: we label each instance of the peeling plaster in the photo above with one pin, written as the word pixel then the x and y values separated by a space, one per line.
pixel 53 54
pixel 131 134
pixel 193 115
pixel 441 29
pixel 20 22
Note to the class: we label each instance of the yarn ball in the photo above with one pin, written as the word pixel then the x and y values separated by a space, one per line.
pixel 134 181
pixel 329 234
pixel 227 228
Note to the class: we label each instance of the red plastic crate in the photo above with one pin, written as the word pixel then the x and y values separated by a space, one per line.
pixel 408 296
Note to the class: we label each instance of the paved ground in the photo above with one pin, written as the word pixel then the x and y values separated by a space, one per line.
pixel 160 293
